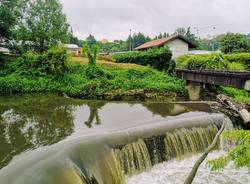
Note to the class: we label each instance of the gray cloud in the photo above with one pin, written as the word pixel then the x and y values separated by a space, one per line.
pixel 112 19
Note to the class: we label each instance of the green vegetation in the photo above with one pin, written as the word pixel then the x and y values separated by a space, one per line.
pixel 52 64
pixel 238 62
pixel 239 95
pixel 52 72
pixel 37 25
pixel 10 12
pixel 239 154
pixel 159 59
pixel 234 43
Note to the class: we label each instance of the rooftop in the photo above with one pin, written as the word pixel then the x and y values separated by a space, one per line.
pixel 159 42
pixel 71 46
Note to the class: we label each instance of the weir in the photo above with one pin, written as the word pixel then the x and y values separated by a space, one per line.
pixel 106 158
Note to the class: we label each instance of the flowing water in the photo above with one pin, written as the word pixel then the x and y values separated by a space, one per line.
pixel 175 171
pixel 51 139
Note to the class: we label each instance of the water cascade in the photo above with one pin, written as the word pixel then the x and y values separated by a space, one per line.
pixel 142 155
pixel 106 158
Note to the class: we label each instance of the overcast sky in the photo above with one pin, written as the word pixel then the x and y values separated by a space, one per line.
pixel 112 19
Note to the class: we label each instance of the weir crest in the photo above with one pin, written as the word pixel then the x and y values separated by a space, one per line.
pixel 107 158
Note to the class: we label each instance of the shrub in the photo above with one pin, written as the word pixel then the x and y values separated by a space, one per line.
pixel 53 63
pixel 243 58
pixel 239 95
pixel 105 58
pixel 93 72
pixel 159 59
pixel 215 61
pixel 91 52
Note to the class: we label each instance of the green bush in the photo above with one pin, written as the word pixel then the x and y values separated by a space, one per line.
pixel 239 95
pixel 215 61
pixel 77 82
pixel 159 59
pixel 53 63
pixel 243 58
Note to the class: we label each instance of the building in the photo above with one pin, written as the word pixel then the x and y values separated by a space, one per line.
pixel 73 49
pixel 4 50
pixel 104 41
pixel 179 45
pixel 201 52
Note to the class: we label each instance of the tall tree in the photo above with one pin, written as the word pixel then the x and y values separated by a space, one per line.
pixel 190 36
pixel 42 26
pixel 231 43
pixel 73 39
pixel 180 31
pixel 186 33
pixel 10 12
pixel 137 39
pixel 91 40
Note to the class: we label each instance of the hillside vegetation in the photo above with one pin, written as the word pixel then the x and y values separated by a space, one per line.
pixel 239 62
pixel 53 71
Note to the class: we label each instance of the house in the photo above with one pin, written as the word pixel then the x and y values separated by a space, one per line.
pixel 201 52
pixel 73 49
pixel 179 45
pixel 4 50
pixel 104 41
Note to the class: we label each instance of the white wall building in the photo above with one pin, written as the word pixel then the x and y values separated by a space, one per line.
pixel 73 49
pixel 178 44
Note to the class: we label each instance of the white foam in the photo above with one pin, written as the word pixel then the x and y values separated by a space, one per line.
pixel 174 172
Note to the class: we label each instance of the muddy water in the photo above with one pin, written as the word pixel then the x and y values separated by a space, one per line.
pixel 32 121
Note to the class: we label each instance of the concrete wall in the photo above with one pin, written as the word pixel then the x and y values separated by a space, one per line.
pixel 74 52
pixel 178 47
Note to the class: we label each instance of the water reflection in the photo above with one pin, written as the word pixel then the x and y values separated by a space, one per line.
pixel 94 115
pixel 31 121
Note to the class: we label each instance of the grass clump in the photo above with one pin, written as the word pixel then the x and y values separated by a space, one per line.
pixel 239 95
pixel 214 62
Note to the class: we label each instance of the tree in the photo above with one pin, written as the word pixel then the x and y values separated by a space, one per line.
pixel 42 26
pixel 91 40
pixel 10 12
pixel 137 39
pixel 91 52
pixel 190 36
pixel 233 43
pixel 73 39
pixel 239 154
pixel 186 33
pixel 180 31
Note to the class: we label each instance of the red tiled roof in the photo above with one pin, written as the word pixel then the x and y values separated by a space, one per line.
pixel 159 42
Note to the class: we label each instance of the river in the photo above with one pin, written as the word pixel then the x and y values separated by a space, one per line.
pixel 30 123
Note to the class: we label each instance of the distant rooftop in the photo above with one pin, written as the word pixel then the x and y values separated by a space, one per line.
pixel 200 52
pixel 162 41
pixel 4 50
pixel 71 46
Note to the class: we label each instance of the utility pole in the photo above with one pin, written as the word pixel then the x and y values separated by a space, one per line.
pixel 213 48
pixel 130 40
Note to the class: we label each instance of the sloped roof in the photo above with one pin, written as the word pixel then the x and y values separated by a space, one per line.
pixel 159 42
pixel 71 46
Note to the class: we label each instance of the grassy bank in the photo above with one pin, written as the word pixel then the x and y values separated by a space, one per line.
pixel 240 96
pixel 116 81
